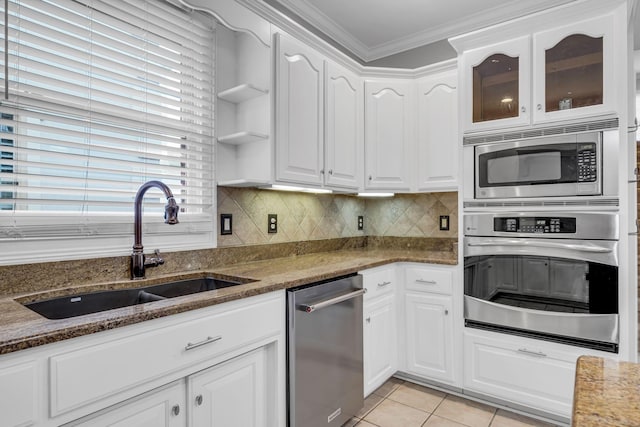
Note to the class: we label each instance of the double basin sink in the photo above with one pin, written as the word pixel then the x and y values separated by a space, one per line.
pixel 93 302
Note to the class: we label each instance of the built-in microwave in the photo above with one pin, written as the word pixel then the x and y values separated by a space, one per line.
pixel 551 166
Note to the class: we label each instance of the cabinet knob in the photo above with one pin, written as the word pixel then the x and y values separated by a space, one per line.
pixel 322 171
pixel 539 107
pixel 330 171
pixel 523 109
pixel 199 400
pixel 368 319
pixel 175 410
pixel 370 177
pixel 446 312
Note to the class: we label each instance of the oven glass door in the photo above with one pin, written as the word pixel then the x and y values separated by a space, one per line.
pixel 564 300
pixel 543 283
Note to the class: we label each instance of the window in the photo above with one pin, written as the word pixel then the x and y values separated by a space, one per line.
pixel 99 97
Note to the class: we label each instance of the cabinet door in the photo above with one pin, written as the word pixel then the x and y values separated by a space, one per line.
pixel 299 112
pixel 438 132
pixel 388 134
pixel 18 387
pixel 497 85
pixel 344 128
pixel 162 407
pixel 573 69
pixel 380 342
pixel 234 394
pixel 429 329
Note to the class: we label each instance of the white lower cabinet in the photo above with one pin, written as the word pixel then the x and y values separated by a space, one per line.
pixel 380 342
pixel 18 397
pixel 535 374
pixel 236 393
pixel 152 373
pixel 429 336
pixel 380 334
pixel 162 407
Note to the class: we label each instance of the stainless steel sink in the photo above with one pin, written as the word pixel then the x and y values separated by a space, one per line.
pixel 81 304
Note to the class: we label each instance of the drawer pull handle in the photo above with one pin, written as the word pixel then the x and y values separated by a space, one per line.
pixel 209 340
pixel 532 353
pixel 383 284
pixel 428 282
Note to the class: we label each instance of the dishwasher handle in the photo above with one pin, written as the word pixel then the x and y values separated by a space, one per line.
pixel 310 308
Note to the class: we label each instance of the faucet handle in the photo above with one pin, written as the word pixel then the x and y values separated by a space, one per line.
pixel 155 261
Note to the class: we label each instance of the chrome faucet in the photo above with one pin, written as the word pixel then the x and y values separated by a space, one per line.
pixel 138 261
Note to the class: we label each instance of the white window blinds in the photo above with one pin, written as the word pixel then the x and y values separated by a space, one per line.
pixel 99 97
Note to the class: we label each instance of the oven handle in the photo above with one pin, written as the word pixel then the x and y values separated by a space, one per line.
pixel 310 308
pixel 549 245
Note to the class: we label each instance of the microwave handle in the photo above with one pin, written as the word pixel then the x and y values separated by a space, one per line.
pixel 556 245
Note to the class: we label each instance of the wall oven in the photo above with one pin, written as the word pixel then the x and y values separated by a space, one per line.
pixel 566 165
pixel 548 275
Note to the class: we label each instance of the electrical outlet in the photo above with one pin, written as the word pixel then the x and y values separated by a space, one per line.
pixel 272 223
pixel 444 222
pixel 360 222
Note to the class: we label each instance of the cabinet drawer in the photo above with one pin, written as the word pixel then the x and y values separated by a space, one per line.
pixel 536 374
pixel 425 279
pixel 379 281
pixel 85 375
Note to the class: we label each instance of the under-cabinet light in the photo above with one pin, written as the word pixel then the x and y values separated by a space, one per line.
pixel 376 194
pixel 298 189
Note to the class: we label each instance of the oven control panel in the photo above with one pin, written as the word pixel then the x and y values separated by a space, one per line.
pixel 537 224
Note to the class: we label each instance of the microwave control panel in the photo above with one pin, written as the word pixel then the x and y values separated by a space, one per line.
pixel 529 224
pixel 587 163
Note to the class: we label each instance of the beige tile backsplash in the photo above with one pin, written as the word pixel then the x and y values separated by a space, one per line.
pixel 304 216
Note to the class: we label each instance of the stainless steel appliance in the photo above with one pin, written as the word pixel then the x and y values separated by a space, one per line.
pixel 579 164
pixel 549 275
pixel 324 354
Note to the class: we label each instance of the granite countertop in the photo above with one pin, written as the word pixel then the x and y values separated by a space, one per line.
pixel 607 393
pixel 23 328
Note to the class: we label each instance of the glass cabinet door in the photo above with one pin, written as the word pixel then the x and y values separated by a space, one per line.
pixel 574 70
pixel 574 73
pixel 495 88
pixel 497 85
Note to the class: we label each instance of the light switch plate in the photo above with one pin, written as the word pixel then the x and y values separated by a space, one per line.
pixel 444 222
pixel 226 224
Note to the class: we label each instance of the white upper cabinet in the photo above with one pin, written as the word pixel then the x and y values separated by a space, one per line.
pixel 344 128
pixel 573 70
pixel 497 85
pixel 438 132
pixel 389 134
pixel 299 113
pixel 556 66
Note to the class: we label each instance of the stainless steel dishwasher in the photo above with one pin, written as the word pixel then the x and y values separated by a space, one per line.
pixel 324 352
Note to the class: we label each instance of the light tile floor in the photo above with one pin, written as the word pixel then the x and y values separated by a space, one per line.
pixel 402 404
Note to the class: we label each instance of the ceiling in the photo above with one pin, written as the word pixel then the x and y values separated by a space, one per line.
pixel 373 29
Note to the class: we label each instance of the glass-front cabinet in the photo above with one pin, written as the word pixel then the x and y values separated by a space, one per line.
pixel 559 74
pixel 499 84
pixel 573 70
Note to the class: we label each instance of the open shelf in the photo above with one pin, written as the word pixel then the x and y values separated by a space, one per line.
pixel 242 93
pixel 239 138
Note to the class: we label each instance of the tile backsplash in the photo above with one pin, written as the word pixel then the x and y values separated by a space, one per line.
pixel 304 216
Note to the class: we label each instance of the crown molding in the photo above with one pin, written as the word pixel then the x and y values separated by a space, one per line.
pixel 449 29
